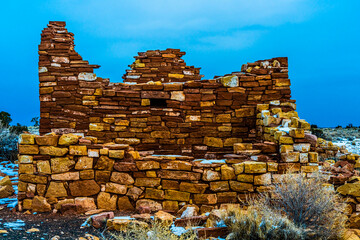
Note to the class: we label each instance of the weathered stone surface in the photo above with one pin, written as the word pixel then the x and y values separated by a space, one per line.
pixel 177 195
pixel 160 134
pixel 86 203
pixel 106 201
pixel 210 175
pixel 179 175
pixel 177 165
pixel 151 204
pixel 47 140
pixel 69 139
pixel 53 151
pixel 134 193
pixel 302 147
pixel 25 159
pixel 27 139
pixel 170 206
pixel 164 218
pixel 104 163
pixel 147 165
pixel 177 96
pixel 56 189
pixel 32 178
pixel 43 167
pixel 84 163
pixel 238 168
pixel 102 176
pixel 220 186
pixel 241 187
pixel 227 173
pixel 78 150
pixel 39 204
pixel 65 201
pixel 115 188
pixel 352 189
pixel 116 154
pixel 154 193
pixel 193 187
pixel 124 204
pixel 226 197
pixel 26 168
pixel 230 81
pixel 87 174
pixel 67 176
pixel 61 165
pixel 129 141
pixel 213 142
pixel 263 179
pixel 290 157
pixel 84 188
pixel 5 181
pixel 28 149
pixel 122 178
pixel 6 191
pixel 147 182
pixel 255 167
pixel 205 198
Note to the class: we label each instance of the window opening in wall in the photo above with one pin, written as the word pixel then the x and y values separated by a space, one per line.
pixel 156 102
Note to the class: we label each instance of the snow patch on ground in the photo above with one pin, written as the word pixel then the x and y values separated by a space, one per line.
pixel 352 146
pixel 17 225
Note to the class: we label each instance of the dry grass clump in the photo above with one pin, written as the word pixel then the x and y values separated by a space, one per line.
pixel 157 231
pixel 260 223
pixel 297 208
pixel 310 205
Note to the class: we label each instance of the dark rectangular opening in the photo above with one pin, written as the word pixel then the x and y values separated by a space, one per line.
pixel 156 102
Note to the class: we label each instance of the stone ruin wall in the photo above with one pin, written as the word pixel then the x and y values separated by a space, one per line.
pixel 176 114
pixel 125 146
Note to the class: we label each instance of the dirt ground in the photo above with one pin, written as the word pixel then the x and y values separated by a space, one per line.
pixel 50 225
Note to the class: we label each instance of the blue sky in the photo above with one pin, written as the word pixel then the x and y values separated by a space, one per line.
pixel 321 39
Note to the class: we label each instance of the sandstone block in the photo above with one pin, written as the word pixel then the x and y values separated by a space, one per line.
pixel 68 139
pixel 28 149
pixel 84 163
pixel 177 195
pixel 105 163
pixel 310 168
pixel 99 127
pixel 254 167
pixel 43 167
pixel 238 168
pixel 244 112
pixel 220 186
pixel 147 182
pixel 47 140
pixel 87 174
pixel 84 188
pixel 160 134
pixel 27 139
pixel 170 206
pixel 115 188
pixel 263 179
pixel 106 201
pixel 249 178
pixel 205 198
pixel 192 187
pixel 26 168
pixel 230 81
pixel 122 178
pixel 25 159
pixel 177 96
pixel 86 203
pixel 147 165
pixel 177 165
pixel 213 142
pixel 297 133
pixel 153 193
pixel 56 189
pixel 39 204
pixel 119 154
pixel 78 150
pixel 60 165
pixel 164 218
pixel 241 187
pixel 129 141
pixel 290 157
pixel 210 175
pixel 147 203
pixel 179 175
pixel 53 151
pixel 32 178
pixel 302 147
pixel 313 157
pixel 67 176
pixel 227 173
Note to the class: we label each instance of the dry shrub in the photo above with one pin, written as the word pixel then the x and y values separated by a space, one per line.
pixel 157 231
pixel 297 208
pixel 309 204
pixel 260 222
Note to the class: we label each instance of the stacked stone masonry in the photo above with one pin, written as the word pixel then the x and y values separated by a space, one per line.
pixel 163 139
pixel 162 106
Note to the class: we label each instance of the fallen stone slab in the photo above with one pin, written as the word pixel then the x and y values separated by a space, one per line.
pixel 99 220
pixel 215 232
pixel 191 221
